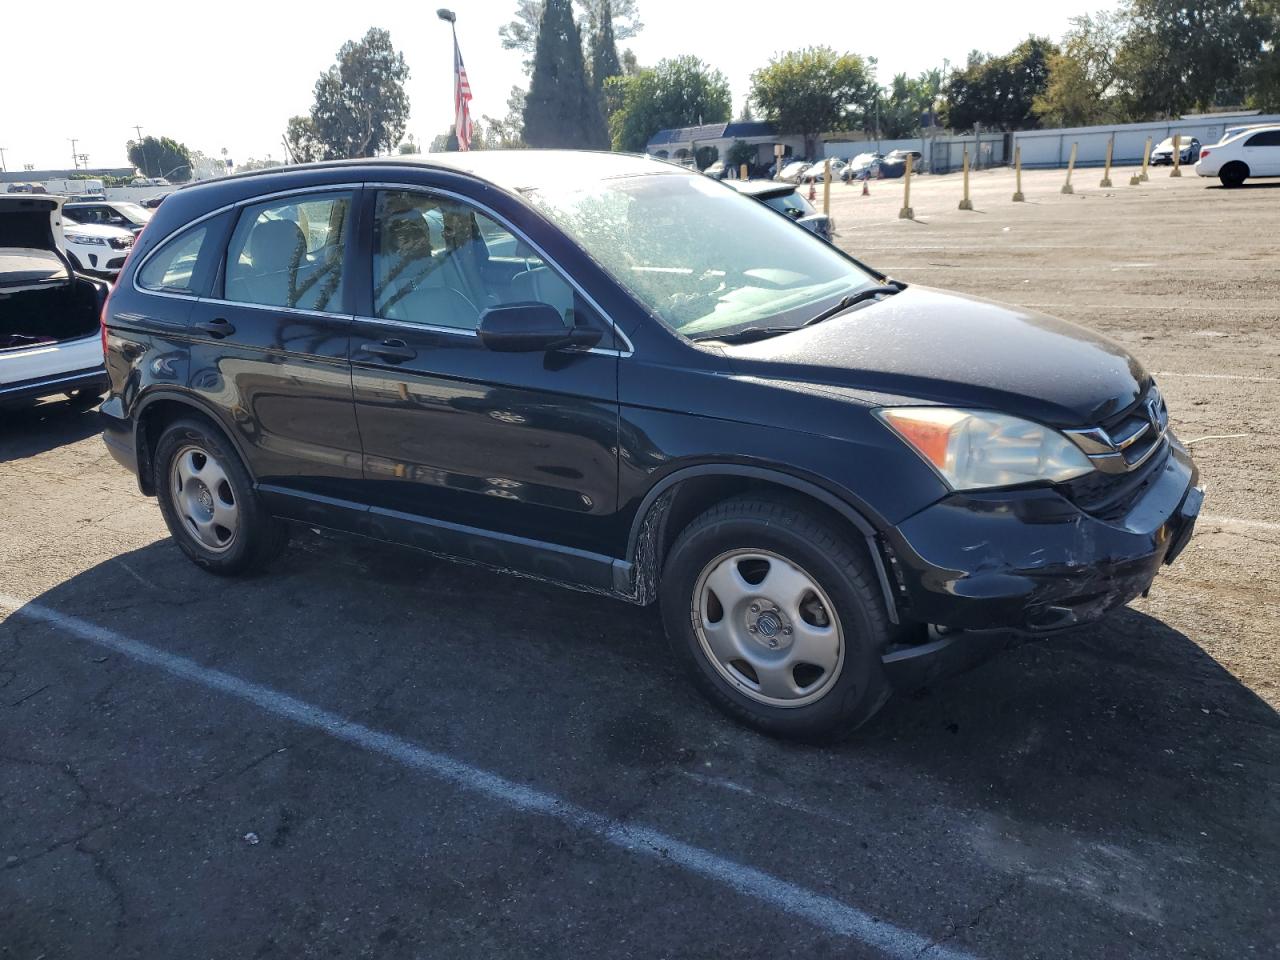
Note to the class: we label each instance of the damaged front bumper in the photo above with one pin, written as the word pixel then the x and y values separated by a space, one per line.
pixel 1030 561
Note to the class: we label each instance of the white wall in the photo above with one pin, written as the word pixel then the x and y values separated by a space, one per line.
pixel 1052 148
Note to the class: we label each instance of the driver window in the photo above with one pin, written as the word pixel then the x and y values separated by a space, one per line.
pixel 440 262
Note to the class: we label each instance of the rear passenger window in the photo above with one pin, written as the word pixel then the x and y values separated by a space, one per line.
pixel 173 266
pixel 1268 138
pixel 289 253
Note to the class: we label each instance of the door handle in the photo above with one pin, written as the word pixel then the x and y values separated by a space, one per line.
pixel 393 351
pixel 217 328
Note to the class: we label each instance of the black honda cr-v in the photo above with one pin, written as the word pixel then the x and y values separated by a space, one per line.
pixel 610 373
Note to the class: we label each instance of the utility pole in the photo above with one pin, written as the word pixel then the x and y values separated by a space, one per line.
pixel 142 146
pixel 75 160
pixel 3 168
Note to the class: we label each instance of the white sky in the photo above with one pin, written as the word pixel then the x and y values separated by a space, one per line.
pixel 230 73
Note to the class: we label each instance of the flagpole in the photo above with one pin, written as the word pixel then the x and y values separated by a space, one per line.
pixel 444 13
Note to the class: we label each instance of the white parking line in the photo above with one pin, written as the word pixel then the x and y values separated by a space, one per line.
pixel 822 911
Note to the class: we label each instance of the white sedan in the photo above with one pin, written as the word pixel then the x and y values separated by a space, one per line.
pixel 1254 152
pixel 50 339
pixel 816 173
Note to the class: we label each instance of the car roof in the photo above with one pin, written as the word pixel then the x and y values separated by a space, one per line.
pixel 514 170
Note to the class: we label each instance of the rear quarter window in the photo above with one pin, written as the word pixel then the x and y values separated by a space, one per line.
pixel 177 265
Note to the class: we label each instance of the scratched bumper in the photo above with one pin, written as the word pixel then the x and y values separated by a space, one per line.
pixel 1032 561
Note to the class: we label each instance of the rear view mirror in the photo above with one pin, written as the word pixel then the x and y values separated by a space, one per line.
pixel 531 328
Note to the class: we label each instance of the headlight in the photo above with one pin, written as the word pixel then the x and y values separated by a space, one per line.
pixel 83 238
pixel 972 449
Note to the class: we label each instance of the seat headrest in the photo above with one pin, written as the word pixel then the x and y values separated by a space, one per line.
pixel 274 245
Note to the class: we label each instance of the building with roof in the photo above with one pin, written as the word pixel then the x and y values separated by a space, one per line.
pixel 682 143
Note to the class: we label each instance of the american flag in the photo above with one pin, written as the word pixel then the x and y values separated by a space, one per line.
pixel 461 100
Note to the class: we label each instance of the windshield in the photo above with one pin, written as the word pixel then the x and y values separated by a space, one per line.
pixel 701 257
pixel 132 212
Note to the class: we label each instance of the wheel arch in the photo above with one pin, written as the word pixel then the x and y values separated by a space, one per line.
pixel 680 496
pixel 158 408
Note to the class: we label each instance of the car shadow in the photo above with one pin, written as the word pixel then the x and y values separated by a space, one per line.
pixel 1247 185
pixel 27 431
pixel 1128 721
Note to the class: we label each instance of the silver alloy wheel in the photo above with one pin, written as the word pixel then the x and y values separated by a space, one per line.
pixel 768 628
pixel 203 497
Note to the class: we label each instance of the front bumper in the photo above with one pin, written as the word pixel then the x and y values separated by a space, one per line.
pixel 1031 561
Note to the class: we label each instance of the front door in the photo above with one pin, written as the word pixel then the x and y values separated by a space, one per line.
pixel 466 450
pixel 1262 154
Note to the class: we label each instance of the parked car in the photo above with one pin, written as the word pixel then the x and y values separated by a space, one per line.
pixel 50 340
pixel 112 213
pixel 96 248
pixel 817 173
pixel 1255 152
pixel 862 167
pixel 716 170
pixel 788 200
pixel 607 372
pixel 1188 150
pixel 149 182
pixel 901 157
pixel 86 198
pixel 793 171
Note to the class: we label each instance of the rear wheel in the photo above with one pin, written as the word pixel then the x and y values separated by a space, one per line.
pixel 779 620
pixel 1233 174
pixel 207 498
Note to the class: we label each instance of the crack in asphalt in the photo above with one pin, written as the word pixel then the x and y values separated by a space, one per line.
pixel 971 922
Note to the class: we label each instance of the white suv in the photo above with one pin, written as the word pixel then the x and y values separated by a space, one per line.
pixel 1252 153
pixel 96 248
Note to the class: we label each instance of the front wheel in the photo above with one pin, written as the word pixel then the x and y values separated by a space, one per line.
pixel 779 619
pixel 209 505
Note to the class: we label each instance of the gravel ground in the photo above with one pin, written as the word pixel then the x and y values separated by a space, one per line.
pixel 366 753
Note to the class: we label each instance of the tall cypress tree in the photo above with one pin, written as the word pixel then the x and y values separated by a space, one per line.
pixel 561 109
pixel 604 49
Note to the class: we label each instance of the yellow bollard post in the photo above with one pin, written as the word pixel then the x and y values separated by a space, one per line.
pixel 826 186
pixel 1071 165
pixel 1017 170
pixel 1106 174
pixel 742 172
pixel 1177 156
pixel 906 213
pixel 965 202
pixel 1146 159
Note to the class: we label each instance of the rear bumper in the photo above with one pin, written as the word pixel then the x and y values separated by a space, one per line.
pixel 118 434
pixel 93 378
pixel 1032 562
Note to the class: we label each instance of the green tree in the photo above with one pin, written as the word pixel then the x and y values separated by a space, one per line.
pixel 1264 76
pixel 1179 56
pixel 304 142
pixel 561 109
pixel 521 33
pixel 507 133
pixel 161 157
pixel 1000 92
pixel 740 152
pixel 812 91
pixel 676 93
pixel 361 107
pixel 1082 75
pixel 604 49
pixel 904 105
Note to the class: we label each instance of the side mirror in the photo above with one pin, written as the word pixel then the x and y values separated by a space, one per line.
pixel 531 328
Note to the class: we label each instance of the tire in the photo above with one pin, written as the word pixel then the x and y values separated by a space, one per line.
pixel 1233 174
pixel 209 505
pixel 768 622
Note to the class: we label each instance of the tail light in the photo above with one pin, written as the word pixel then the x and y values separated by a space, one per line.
pixel 1204 153
pixel 106 304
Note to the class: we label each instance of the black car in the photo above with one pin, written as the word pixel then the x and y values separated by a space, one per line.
pixel 111 213
pixel 607 372
pixel 787 199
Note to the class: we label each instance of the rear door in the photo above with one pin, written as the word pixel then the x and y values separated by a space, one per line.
pixel 517 445
pixel 270 347
pixel 1262 154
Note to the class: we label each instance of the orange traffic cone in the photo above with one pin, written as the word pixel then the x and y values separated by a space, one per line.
pixel 865 191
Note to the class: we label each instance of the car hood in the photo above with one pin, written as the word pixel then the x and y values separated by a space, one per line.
pixel 103 230
pixel 946 348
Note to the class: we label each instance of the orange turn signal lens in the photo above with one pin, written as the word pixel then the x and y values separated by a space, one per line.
pixel 927 429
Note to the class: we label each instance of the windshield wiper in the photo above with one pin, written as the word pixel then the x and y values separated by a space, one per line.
pixel 866 293
pixel 751 334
